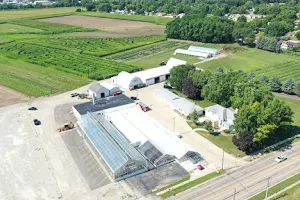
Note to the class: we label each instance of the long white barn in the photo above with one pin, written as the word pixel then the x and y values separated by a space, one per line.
pixel 193 53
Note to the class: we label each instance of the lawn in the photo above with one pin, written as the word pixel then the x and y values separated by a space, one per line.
pixel 190 184
pixel 295 106
pixel 21 14
pixel 224 142
pixel 13 28
pixel 151 19
pixel 260 62
pixel 277 188
pixel 291 194
pixel 34 80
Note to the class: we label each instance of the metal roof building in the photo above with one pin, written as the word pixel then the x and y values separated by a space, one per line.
pixel 121 159
pixel 154 141
pixel 181 105
pixel 127 81
pixel 204 50
pixel 192 53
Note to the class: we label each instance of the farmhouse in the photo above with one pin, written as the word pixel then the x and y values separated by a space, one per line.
pixel 128 141
pixel 192 53
pixel 220 117
pixel 181 105
pixel 98 91
pixel 205 50
pixel 158 74
pixel 127 81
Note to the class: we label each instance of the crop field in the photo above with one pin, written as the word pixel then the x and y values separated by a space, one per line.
pixel 115 26
pixel 151 19
pixel 51 27
pixel 260 62
pixel 13 28
pixel 98 46
pixel 80 64
pixel 34 80
pixel 17 14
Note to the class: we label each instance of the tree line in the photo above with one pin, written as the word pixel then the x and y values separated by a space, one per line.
pixel 260 118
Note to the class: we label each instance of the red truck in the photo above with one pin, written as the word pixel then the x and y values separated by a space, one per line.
pixel 144 107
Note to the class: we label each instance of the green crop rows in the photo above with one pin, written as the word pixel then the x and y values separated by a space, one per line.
pixel 148 50
pixel 98 46
pixel 51 27
pixel 97 68
pixel 290 69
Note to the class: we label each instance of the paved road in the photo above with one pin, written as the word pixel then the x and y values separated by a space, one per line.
pixel 248 180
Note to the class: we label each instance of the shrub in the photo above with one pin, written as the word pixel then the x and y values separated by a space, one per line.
pixel 78 10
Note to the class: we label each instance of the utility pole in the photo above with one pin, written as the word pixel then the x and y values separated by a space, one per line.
pixel 234 193
pixel 267 190
pixel 173 124
pixel 223 160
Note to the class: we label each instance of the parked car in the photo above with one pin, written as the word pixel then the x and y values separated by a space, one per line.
pixel 32 108
pixel 200 167
pixel 280 158
pixel 36 122
pixel 116 93
pixel 144 107
pixel 133 98
pixel 74 94
pixel 167 86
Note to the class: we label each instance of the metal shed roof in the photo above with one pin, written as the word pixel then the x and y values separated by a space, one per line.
pixel 203 49
pixel 192 53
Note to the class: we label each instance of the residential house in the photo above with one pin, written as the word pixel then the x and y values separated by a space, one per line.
pixel 290 44
pixel 160 14
pixel 291 34
pixel 297 22
pixel 220 117
pixel 181 15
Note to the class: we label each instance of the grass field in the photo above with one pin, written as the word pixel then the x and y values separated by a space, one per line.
pixel 260 62
pixel 21 14
pixel 98 46
pixel 34 80
pixel 291 194
pixel 277 188
pixel 151 19
pixel 13 28
pixel 190 184
pixel 295 106
pixel 224 142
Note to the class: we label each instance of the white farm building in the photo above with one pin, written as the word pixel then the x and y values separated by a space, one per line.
pixel 192 53
pixel 127 81
pixel 181 105
pixel 204 50
pixel 156 143
pixel 98 91
pixel 112 88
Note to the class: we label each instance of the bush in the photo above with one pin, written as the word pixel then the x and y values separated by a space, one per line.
pixel 78 10
pixel 208 126
pixel 226 131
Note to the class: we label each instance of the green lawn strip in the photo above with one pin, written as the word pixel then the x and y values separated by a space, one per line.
pixel 277 188
pixel 201 103
pixel 34 80
pixel 172 184
pixel 193 125
pixel 151 19
pixel 224 142
pixel 295 106
pixel 190 184
pixel 291 194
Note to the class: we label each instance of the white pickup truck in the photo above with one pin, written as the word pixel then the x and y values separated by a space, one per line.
pixel 280 158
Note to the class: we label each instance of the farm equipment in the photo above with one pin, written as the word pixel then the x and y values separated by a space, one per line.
pixel 83 96
pixel 67 126
pixel 162 63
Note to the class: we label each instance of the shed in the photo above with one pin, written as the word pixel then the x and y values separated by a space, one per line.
pixel 204 50
pixel 112 88
pixel 98 91
pixel 192 53
pixel 127 81
pixel 173 62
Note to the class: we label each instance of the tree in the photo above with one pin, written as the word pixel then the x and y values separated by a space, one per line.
pixel 277 29
pixel 200 78
pixel 244 142
pixel 220 69
pixel 242 19
pixel 189 89
pixel 178 74
pixel 298 35
pixel 289 87
pixel 90 7
pixel 264 79
pixel 208 126
pixel 264 132
pixel 193 116
pixel 297 90
pixel 275 84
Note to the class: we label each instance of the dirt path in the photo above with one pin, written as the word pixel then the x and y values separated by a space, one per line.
pixel 9 97
pixel 286 96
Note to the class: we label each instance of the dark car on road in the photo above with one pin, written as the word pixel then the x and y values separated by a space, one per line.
pixel 74 94
pixel 32 108
pixel 36 122
pixel 133 98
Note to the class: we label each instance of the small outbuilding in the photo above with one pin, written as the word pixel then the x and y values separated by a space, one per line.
pixel 204 50
pixel 127 81
pixel 112 88
pixel 192 53
pixel 98 91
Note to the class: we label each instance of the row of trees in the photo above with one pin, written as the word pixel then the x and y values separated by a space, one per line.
pixel 260 115
pixel 268 44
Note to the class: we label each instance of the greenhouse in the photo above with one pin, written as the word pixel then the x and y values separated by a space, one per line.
pixel 122 160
